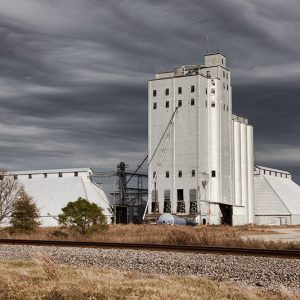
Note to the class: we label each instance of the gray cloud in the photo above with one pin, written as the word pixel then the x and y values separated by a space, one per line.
pixel 73 81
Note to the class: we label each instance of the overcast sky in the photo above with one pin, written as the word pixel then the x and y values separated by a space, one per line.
pixel 73 75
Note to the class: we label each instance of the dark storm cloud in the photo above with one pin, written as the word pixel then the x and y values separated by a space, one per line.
pixel 73 80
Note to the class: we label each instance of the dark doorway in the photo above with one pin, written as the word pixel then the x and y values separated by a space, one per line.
pixel 180 195
pixel 121 214
pixel 226 211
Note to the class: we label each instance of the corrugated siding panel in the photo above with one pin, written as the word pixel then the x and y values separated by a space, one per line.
pixel 266 202
pixel 52 194
pixel 288 191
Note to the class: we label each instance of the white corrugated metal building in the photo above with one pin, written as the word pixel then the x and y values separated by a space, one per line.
pixel 277 197
pixel 53 189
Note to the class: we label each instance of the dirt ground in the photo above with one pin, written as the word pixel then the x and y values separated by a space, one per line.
pixel 285 234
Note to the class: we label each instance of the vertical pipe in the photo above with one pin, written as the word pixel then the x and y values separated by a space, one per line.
pixel 237 163
pixel 250 168
pixel 150 141
pixel 244 172
pixel 214 143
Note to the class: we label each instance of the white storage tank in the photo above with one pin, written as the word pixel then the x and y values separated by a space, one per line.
pixel 169 219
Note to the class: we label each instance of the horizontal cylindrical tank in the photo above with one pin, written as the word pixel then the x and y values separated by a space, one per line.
pixel 169 219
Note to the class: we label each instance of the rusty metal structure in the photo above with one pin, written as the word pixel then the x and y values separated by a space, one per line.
pixel 129 196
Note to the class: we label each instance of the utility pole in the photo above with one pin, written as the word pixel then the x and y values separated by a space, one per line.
pixel 122 182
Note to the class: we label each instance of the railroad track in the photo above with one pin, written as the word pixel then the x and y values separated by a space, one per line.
pixel 158 247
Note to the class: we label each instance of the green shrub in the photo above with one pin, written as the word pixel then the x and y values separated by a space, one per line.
pixel 82 215
pixel 25 214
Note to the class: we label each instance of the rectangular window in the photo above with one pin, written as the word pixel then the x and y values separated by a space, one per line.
pixel 227 87
pixel 29 176
pixel 193 195
pixel 167 202
pixel 167 92
pixel 59 174
pixel 154 195
pixel 153 207
pixel 15 176
pixel 193 173
pixel 167 104
pixel 154 174
pixel 224 74
pixel 213 91
pixel 192 89
pixel 154 204
pixel 45 175
pixel 180 195
pixel 208 74
pixel 180 90
pixel 213 104
pixel 227 107
pixel 154 93
pixel 224 106
pixel 206 91
pixel 213 173
pixel 192 102
pixel 206 103
pixel 167 195
pixel 154 105
pixel 179 103
pixel 180 173
pixel 167 174
pixel 180 202
pixel 223 85
pixel 76 174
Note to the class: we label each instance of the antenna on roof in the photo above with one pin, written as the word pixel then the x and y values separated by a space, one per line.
pixel 207 45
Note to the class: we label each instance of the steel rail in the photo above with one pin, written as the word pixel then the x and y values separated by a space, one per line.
pixel 158 247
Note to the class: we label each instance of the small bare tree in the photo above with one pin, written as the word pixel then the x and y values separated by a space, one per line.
pixel 10 190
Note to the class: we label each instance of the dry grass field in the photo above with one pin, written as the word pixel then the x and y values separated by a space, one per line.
pixel 44 279
pixel 161 234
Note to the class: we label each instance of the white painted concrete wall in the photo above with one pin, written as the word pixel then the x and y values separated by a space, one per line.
pixel 187 147
pixel 203 138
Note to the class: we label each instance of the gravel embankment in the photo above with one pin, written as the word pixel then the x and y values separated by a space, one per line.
pixel 270 273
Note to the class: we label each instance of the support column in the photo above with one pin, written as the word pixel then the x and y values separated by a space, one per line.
pixel 250 174
pixel 244 170
pixel 237 163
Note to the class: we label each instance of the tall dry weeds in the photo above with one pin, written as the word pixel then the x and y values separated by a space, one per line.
pixel 50 268
pixel 93 283
pixel 222 235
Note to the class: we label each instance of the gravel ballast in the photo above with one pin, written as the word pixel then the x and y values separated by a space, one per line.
pixel 270 273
